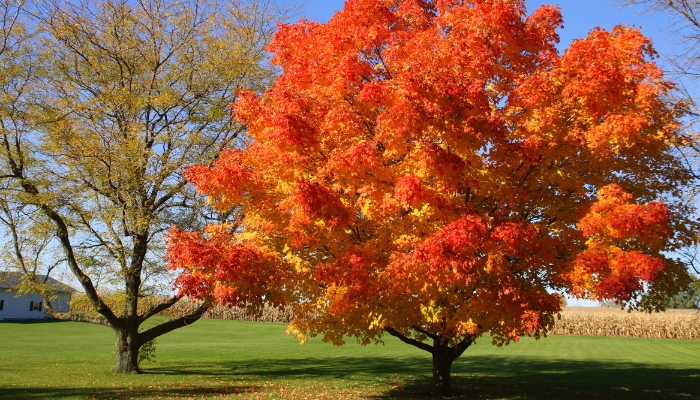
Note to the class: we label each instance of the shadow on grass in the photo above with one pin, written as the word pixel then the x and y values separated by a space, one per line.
pixel 481 377
pixel 501 378
pixel 312 367
pixel 477 377
pixel 490 377
pixel 22 321
pixel 130 393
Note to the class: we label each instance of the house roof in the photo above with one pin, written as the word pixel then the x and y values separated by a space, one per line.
pixel 9 280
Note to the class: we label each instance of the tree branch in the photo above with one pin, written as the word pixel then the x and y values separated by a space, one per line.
pixel 457 351
pixel 158 308
pixel 411 341
pixel 173 324
pixel 423 331
pixel 77 317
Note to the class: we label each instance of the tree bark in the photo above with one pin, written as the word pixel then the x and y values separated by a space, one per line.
pixel 128 345
pixel 442 364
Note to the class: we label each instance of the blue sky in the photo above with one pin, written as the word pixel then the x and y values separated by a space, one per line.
pixel 580 16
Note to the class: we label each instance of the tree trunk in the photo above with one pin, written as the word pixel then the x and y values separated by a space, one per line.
pixel 443 356
pixel 127 351
pixel 442 363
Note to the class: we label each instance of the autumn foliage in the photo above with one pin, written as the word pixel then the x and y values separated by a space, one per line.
pixel 436 170
pixel 224 270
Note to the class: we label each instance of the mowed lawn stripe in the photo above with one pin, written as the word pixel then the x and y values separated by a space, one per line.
pixel 233 359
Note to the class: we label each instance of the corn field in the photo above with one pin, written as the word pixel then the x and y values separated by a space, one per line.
pixel 587 321
pixel 608 321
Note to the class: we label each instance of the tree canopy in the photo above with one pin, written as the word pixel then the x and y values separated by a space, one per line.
pixel 436 170
pixel 119 95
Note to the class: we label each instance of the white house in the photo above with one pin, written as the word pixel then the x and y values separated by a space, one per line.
pixel 30 306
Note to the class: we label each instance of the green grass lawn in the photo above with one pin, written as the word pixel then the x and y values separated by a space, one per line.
pixel 230 359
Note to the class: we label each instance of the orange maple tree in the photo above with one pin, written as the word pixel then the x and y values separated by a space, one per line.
pixel 436 170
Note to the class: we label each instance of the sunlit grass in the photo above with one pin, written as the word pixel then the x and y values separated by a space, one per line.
pixel 231 359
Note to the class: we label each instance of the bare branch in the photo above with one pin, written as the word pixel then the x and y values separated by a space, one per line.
pixel 173 324
pixel 408 340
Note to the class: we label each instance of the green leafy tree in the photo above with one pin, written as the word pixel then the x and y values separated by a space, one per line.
pixel 687 299
pixel 119 95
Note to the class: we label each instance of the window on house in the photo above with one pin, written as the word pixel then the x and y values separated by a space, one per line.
pixel 2 304
pixel 35 305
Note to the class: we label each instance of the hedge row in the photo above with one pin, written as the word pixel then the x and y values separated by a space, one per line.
pixel 80 303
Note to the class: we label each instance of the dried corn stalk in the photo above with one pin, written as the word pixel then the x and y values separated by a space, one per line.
pixel 672 324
